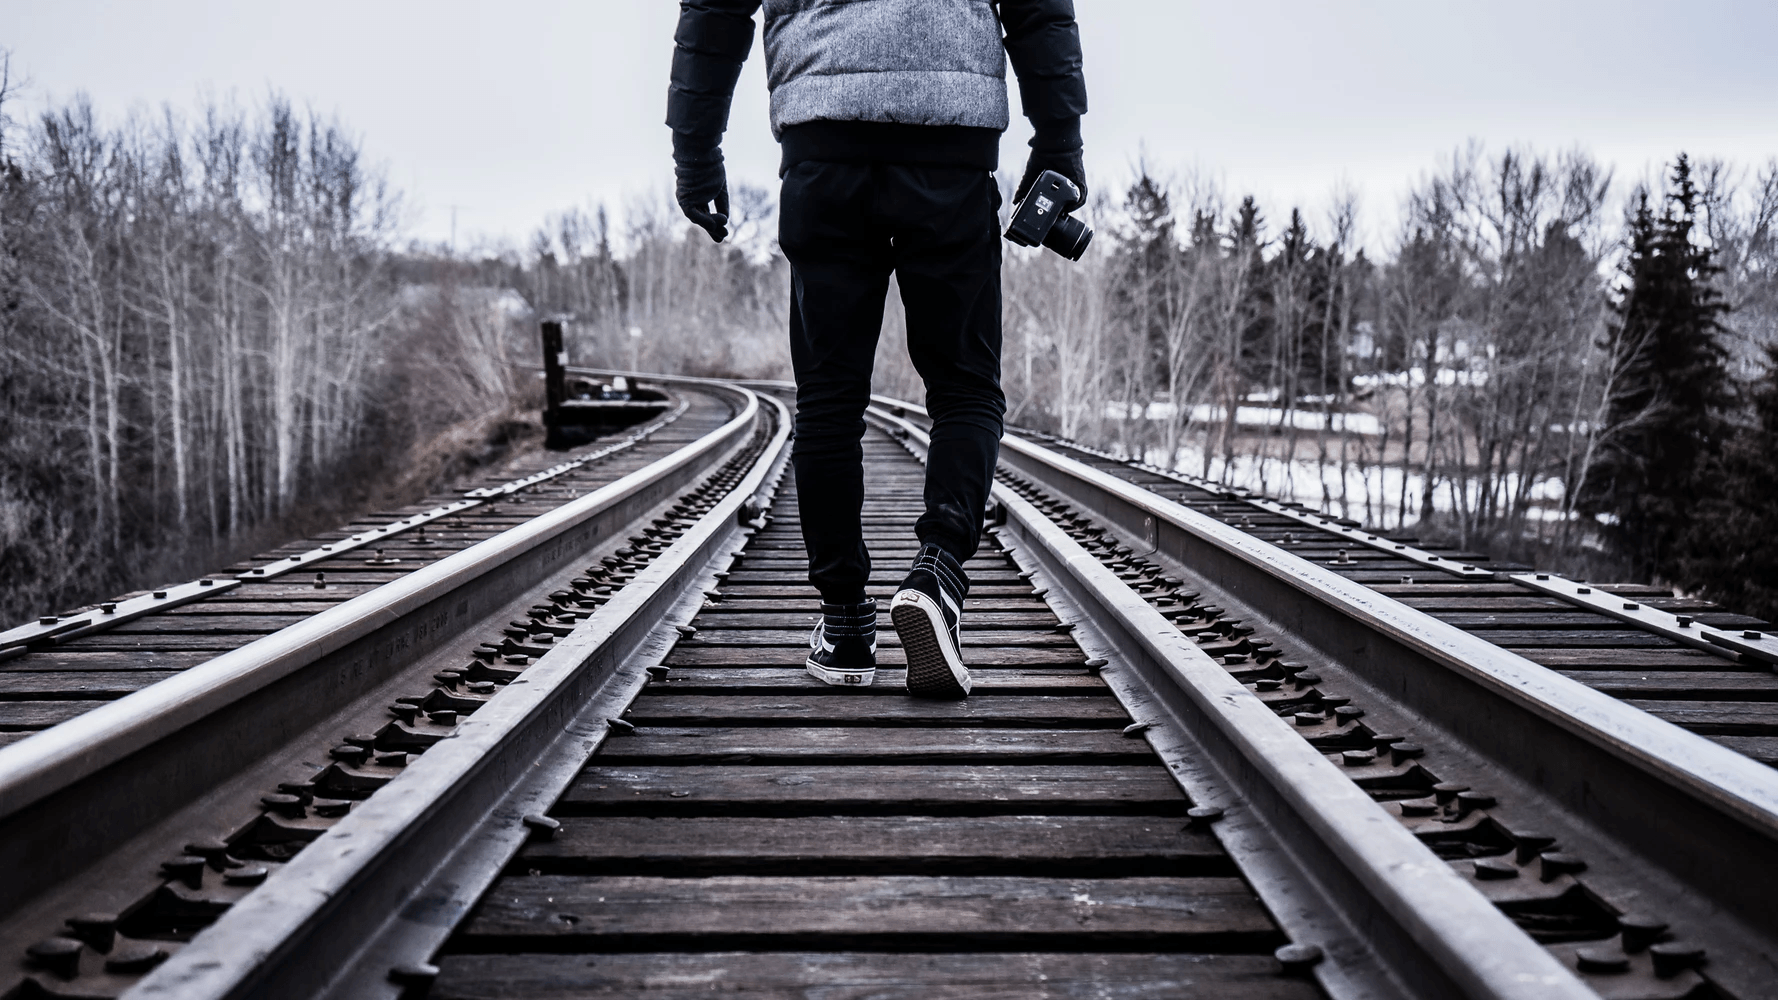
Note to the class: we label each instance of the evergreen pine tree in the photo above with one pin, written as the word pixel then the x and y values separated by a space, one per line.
pixel 1665 416
pixel 1727 553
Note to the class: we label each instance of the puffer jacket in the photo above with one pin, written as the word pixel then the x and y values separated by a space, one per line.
pixel 920 81
pixel 917 62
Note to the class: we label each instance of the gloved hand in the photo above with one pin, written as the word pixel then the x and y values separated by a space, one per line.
pixel 699 180
pixel 1056 146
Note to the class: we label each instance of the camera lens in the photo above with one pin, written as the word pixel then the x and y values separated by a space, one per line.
pixel 1069 237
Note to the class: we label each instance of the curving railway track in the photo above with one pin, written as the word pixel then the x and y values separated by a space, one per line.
pixel 561 744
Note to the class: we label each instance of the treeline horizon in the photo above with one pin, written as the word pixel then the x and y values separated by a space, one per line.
pixel 216 333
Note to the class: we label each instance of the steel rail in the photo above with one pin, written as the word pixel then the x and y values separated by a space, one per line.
pixel 1679 801
pixel 71 792
pixel 1388 916
pixel 362 909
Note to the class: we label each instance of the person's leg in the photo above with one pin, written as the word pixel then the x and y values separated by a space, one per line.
pixel 839 280
pixel 947 262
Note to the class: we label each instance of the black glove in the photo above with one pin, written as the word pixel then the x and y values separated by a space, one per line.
pixel 1056 146
pixel 700 180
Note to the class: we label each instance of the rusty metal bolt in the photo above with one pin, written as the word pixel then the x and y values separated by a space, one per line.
pixel 1446 792
pixel 60 955
pixel 1418 807
pixel 1640 930
pixel 1529 844
pixel 1267 684
pixel 352 755
pixel 250 875
pixel 443 716
pixel 1347 713
pixel 414 978
pixel 1495 869
pixel 404 712
pixel 397 758
pixel 1673 957
pixel 1602 961
pixel 620 727
pixel 332 807
pixel 542 827
pixel 1381 742
pixel 1298 959
pixel 1556 864
pixel 185 868
pixel 1468 802
pixel 320 581
pixel 1358 758
pixel 1202 816
pixel 658 674
pixel 135 958
pixel 98 930
pixel 286 805
pixel 214 851
pixel 1471 801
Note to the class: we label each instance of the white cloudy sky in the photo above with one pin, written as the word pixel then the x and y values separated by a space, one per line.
pixel 515 109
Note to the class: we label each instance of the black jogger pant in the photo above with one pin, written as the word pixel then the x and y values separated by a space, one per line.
pixel 845 227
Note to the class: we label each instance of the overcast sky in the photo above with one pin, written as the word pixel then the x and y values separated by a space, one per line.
pixel 511 110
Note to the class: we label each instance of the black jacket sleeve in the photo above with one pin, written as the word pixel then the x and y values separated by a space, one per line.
pixel 709 46
pixel 1043 44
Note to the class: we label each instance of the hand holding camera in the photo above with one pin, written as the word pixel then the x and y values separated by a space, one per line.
pixel 1041 216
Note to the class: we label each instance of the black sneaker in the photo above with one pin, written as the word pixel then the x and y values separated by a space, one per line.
pixel 926 612
pixel 844 645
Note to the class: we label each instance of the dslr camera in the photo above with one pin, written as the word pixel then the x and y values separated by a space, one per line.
pixel 1041 219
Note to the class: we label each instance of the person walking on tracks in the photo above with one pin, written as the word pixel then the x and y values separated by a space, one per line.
pixel 889 114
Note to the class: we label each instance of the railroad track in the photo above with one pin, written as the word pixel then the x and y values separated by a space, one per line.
pixel 1196 763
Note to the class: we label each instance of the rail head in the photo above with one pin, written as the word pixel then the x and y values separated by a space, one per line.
pixel 62 755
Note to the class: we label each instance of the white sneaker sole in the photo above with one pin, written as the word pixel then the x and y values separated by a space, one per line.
pixel 935 665
pixel 841 678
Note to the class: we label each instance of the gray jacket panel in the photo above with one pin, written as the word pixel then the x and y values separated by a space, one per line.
pixel 916 62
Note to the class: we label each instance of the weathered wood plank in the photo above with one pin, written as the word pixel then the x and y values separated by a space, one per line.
pixel 889 682
pixel 1715 718
pixel 886 639
pixel 61 658
pixel 842 744
pixel 926 789
pixel 1051 846
pixel 1740 685
pixel 698 655
pixel 653 708
pixel 1761 748
pixel 827 911
pixel 868 976
pixel 78 684
pixel 1576 638
pixel 22 716
pixel 1680 658
pixel 208 624
pixel 1558 620
pixel 801 620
